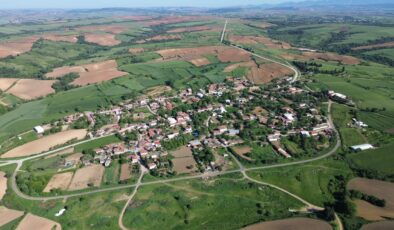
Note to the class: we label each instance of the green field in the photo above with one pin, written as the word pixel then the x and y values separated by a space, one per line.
pixel 223 204
pixel 96 143
pixel 380 159
pixel 309 181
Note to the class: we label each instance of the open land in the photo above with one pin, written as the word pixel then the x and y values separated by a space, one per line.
pixel 45 143
pixel 8 215
pixel 90 73
pixel 102 39
pixel 183 160
pixel 292 223
pixel 224 54
pixel 59 181
pixel 3 184
pixel 125 172
pixel 242 151
pixel 16 47
pixel 31 221
pixel 267 72
pixel 252 40
pixel 87 176
pixel 382 225
pixel 380 189
pixel 29 89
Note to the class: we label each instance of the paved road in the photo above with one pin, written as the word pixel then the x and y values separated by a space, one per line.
pixel 224 31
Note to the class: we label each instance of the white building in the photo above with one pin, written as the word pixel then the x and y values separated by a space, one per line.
pixel 361 147
pixel 39 129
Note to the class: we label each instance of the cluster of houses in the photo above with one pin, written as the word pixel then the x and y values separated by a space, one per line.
pixel 226 109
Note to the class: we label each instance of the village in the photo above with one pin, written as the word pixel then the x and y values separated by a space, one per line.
pixel 194 130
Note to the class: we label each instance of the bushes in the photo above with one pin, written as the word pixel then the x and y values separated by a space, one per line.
pixel 64 82
pixel 369 198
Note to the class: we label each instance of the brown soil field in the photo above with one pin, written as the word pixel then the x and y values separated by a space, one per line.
pixel 224 54
pixel 3 184
pixel 175 19
pixel 29 89
pixel 383 45
pixel 189 29
pixel 6 83
pixel 183 151
pixel 98 76
pixel 137 17
pixel 8 215
pixel 45 143
pixel 125 172
pixel 184 165
pixel 31 221
pixel 161 38
pixel 157 90
pixel 136 50
pixel 372 212
pixel 381 189
pixel 61 38
pixel 264 25
pixel 269 43
pixel 92 174
pixel 200 61
pixel 382 225
pixel 90 73
pixel 15 47
pixel 61 71
pixel 297 223
pixel 242 151
pixel 102 39
pixel 113 29
pixel 232 67
pixel 333 57
pixel 267 72
pixel 349 60
pixel 59 181
pixel 183 158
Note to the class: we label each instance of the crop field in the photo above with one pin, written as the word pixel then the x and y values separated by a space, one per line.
pixel 309 181
pixel 31 221
pixel 3 184
pixel 379 159
pixel 87 177
pixel 28 89
pixel 380 189
pixel 314 34
pixel 379 225
pixel 190 205
pixel 8 215
pixel 59 181
pixel 183 160
pixel 45 143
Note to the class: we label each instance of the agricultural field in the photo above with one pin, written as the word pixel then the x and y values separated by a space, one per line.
pixel 380 189
pixel 150 93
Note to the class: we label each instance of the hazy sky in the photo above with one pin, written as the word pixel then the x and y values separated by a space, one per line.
pixel 13 4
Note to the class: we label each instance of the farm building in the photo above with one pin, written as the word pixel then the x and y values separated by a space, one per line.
pixel 38 129
pixel 361 147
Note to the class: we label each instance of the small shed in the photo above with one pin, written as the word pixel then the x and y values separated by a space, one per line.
pixel 39 129
pixel 361 147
